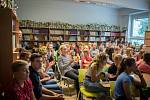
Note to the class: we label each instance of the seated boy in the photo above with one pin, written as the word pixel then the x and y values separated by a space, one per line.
pixel 40 92
pixel 20 88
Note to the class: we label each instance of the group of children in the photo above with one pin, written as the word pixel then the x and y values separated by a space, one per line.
pixel 34 73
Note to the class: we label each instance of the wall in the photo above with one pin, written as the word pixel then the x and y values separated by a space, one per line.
pixel 149 23
pixel 66 11
pixel 133 4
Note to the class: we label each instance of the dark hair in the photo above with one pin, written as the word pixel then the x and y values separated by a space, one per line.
pixel 141 46
pixel 126 62
pixel 146 58
pixel 17 65
pixel 34 56
pixel 141 53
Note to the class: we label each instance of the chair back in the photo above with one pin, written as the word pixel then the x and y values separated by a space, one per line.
pixel 81 75
pixel 112 86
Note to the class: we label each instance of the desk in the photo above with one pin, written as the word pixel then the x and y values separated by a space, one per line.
pixel 106 84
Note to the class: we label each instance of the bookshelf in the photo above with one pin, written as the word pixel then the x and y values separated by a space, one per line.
pixel 9 40
pixel 35 36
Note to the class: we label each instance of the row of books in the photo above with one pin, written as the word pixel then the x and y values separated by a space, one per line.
pixel 71 32
pixel 71 38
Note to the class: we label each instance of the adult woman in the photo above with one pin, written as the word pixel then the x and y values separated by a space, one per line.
pixel 92 78
pixel 124 80
pixel 112 70
pixel 65 63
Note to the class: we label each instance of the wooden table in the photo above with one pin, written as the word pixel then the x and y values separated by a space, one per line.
pixel 106 84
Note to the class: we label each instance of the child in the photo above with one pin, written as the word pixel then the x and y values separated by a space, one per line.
pixel 20 88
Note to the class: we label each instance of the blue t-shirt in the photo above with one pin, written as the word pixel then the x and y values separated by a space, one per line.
pixel 119 91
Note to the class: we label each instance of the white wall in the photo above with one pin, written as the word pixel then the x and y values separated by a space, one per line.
pixel 133 4
pixel 149 23
pixel 66 11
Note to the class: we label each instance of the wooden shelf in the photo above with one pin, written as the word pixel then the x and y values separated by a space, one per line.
pixel 34 41
pixel 35 34
pixel 67 37
pixel 56 34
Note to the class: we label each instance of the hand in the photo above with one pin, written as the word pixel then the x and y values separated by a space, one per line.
pixel 59 95
pixel 71 61
pixel 52 63
pixel 136 71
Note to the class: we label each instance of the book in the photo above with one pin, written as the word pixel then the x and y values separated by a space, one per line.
pixel 92 39
pixel 26 31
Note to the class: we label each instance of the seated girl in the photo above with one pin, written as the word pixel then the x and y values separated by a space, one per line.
pixel 112 70
pixel 20 88
pixel 124 80
pixel 66 63
pixel 92 78
pixel 86 59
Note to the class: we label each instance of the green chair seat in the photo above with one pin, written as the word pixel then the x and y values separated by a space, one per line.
pixel 88 94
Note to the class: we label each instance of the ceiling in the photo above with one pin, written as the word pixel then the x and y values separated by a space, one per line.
pixel 132 4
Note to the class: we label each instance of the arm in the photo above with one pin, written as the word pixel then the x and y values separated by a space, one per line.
pixel 33 96
pixel 45 79
pixel 139 82
pixel 94 77
pixel 48 92
pixel 126 88
pixel 61 64
pixel 50 95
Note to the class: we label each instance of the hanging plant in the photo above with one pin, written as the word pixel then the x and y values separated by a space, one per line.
pixel 60 25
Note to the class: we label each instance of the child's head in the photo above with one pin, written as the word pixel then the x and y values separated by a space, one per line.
pixel 100 59
pixel 94 45
pixel 63 50
pixel 85 52
pixel 117 59
pixel 102 76
pixel 129 52
pixel 36 61
pixel 20 70
pixel 25 56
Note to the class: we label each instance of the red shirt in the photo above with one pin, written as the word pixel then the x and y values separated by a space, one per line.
pixel 89 59
pixel 15 92
pixel 144 68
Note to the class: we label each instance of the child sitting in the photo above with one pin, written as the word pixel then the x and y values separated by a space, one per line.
pixel 20 88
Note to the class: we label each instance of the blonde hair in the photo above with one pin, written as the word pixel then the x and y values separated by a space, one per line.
pixel 118 57
pixel 61 47
pixel 100 58
pixel 128 52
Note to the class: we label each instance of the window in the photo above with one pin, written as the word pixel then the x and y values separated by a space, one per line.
pixel 139 27
pixel 139 24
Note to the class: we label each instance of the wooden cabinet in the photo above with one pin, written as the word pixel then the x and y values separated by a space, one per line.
pixel 7 30
pixel 147 41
